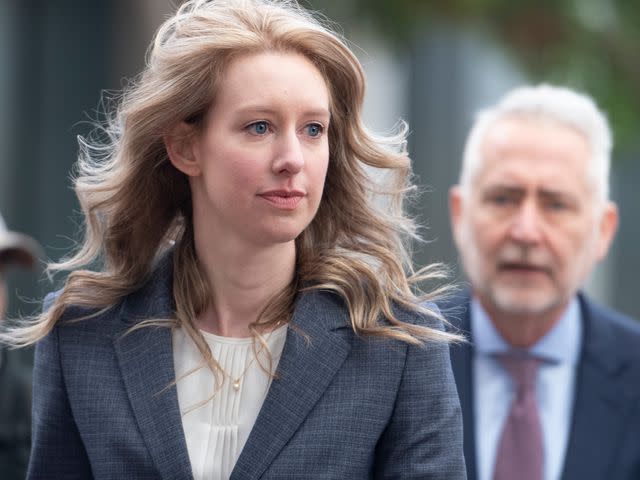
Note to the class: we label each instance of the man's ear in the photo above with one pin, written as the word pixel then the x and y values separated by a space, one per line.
pixel 455 209
pixel 608 227
pixel 180 143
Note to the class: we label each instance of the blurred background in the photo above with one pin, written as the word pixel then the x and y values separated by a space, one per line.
pixel 433 63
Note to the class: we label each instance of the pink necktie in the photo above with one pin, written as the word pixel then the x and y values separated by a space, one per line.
pixel 519 455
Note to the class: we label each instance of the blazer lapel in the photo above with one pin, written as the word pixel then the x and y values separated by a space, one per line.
pixel 462 365
pixel 145 357
pixel 317 344
pixel 598 411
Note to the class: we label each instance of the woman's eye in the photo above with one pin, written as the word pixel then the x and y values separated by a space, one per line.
pixel 259 128
pixel 314 129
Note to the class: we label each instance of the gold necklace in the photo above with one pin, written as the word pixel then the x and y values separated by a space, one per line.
pixel 237 381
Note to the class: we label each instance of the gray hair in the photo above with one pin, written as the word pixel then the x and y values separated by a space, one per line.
pixel 548 102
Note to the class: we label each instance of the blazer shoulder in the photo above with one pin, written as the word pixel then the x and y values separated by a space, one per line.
pixel 71 312
pixel 455 310
pixel 611 339
pixel 624 329
pixel 153 299
pixel 429 315
pixel 75 314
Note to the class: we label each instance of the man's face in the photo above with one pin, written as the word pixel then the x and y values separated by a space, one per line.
pixel 530 226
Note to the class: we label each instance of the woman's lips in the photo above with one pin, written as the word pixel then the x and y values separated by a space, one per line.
pixel 283 199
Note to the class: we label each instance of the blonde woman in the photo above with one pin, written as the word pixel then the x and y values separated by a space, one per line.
pixel 240 308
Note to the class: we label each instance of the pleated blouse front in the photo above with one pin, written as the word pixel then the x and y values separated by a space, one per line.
pixel 217 428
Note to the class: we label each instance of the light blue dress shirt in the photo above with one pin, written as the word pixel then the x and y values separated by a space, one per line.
pixel 494 390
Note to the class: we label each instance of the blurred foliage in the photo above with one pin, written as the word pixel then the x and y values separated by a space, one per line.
pixel 590 45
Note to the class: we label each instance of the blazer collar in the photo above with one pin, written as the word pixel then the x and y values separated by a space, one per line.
pixel 318 341
pixel 457 312
pixel 145 357
pixel 600 403
pixel 599 337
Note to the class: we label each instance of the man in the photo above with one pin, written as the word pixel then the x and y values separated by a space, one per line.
pixel 549 382
pixel 15 371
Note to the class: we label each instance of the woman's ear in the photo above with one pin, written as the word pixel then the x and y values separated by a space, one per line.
pixel 180 143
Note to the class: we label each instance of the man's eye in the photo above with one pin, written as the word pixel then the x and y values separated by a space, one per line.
pixel 556 205
pixel 314 129
pixel 501 200
pixel 258 128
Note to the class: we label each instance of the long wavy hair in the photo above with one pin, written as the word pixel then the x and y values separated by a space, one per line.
pixel 137 205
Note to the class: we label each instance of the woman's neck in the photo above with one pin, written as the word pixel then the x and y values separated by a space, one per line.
pixel 242 281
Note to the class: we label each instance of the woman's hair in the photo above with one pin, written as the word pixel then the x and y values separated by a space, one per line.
pixel 137 205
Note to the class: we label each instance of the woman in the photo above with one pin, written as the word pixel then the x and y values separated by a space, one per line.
pixel 250 315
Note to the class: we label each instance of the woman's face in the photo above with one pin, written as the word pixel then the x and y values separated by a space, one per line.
pixel 263 153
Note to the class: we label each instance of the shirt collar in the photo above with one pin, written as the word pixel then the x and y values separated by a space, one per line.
pixel 561 344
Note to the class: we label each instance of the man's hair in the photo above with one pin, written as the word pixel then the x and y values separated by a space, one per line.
pixel 547 103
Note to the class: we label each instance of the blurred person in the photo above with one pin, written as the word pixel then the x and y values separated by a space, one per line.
pixel 550 383
pixel 15 373
pixel 240 308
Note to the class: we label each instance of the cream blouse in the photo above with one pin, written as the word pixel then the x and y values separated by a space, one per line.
pixel 217 430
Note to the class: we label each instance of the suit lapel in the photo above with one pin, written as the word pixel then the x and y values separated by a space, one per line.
pixel 317 344
pixel 599 404
pixel 462 365
pixel 145 357
pixel 598 411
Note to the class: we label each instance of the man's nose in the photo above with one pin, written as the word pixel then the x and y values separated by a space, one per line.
pixel 527 224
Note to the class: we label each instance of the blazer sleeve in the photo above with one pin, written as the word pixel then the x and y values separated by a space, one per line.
pixel 57 450
pixel 424 436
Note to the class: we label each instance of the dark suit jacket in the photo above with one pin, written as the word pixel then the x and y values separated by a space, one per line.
pixel 340 407
pixel 15 412
pixel 604 442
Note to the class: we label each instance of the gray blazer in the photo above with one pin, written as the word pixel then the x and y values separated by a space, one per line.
pixel 340 407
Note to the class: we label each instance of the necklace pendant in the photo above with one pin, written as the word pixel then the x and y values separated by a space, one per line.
pixel 236 384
